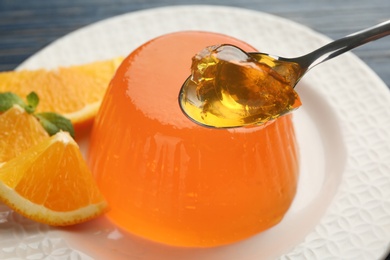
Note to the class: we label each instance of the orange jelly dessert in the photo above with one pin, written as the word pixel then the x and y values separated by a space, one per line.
pixel 170 180
pixel 232 88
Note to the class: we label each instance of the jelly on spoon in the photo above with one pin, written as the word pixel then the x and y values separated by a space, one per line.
pixel 231 88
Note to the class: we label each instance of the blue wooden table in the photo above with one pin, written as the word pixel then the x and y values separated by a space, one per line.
pixel 28 26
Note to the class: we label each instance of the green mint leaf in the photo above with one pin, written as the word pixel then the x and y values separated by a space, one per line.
pixel 32 101
pixel 9 99
pixel 54 123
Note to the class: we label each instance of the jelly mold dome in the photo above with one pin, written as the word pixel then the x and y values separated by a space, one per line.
pixel 171 181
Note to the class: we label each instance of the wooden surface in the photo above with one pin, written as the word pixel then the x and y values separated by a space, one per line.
pixel 27 26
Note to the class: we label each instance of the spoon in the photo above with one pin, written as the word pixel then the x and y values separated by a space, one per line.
pixel 221 99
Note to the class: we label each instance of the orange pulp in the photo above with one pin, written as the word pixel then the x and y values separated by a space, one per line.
pixel 168 179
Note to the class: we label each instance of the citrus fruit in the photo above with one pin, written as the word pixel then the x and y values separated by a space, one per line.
pixel 170 180
pixel 50 183
pixel 18 131
pixel 74 92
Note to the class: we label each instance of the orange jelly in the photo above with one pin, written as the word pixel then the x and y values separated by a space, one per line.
pixel 170 180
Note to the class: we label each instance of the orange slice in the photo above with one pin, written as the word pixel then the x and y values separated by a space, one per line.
pixel 50 183
pixel 18 132
pixel 75 92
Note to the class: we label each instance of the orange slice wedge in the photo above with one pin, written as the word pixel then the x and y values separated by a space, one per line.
pixel 18 132
pixel 74 92
pixel 51 183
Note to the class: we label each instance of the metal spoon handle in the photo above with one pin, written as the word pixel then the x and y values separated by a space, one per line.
pixel 342 45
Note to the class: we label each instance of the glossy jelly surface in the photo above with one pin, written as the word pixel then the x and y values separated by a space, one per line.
pixel 231 88
pixel 170 180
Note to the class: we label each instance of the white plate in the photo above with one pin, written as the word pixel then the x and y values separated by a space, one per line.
pixel 342 209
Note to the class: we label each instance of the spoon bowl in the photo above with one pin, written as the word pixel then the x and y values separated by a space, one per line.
pixel 224 96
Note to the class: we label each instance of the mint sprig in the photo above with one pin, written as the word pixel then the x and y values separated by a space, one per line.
pixel 32 102
pixel 51 122
pixel 54 123
pixel 9 99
